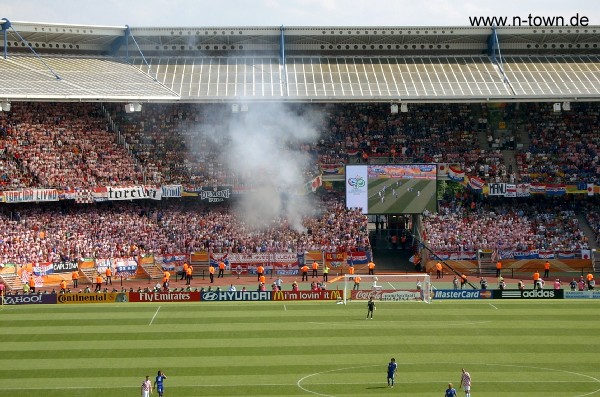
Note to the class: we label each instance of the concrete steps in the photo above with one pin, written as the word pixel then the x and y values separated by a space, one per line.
pixel 87 275
pixel 587 230
pixel 153 271
pixel 11 281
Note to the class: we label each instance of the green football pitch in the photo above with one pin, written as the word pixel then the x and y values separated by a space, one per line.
pixel 511 348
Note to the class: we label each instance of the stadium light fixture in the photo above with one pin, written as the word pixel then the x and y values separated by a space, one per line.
pixel 244 107
pixel 404 107
pixel 394 108
pixel 5 106
pixel 133 107
pixel 566 106
pixel 556 107
pixel 235 108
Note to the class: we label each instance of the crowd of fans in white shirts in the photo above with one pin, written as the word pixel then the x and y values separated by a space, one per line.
pixel 52 231
pixel 62 146
pixel 428 133
pixel 466 225
pixel 564 147
pixel 69 145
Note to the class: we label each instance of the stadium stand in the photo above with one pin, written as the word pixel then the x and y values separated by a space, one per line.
pixel 565 146
pixel 593 218
pixel 65 145
pixel 57 232
pixel 452 93
pixel 529 225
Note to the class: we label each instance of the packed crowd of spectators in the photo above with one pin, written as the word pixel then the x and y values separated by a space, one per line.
pixel 464 224
pixel 110 230
pixel 188 143
pixel 12 175
pixel 63 145
pixel 177 144
pixel 185 142
pixel 564 147
pixel 68 144
pixel 425 134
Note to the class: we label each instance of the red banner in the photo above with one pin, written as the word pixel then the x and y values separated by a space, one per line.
pixel 336 261
pixel 308 295
pixel 164 296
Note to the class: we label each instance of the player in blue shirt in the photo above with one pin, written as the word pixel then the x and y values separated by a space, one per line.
pixel 450 391
pixel 391 372
pixel 158 383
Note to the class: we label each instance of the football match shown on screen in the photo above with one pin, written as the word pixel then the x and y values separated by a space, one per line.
pixel 392 188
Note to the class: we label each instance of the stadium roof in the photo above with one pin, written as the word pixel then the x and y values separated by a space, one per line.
pixel 317 64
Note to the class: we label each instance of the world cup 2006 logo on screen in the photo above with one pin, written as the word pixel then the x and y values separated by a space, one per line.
pixel 356 182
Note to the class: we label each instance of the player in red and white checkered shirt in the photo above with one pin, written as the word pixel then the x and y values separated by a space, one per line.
pixel 465 382
pixel 146 387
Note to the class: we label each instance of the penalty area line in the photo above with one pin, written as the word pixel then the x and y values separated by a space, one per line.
pixel 493 306
pixel 153 317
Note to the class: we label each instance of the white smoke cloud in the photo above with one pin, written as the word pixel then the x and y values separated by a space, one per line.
pixel 265 152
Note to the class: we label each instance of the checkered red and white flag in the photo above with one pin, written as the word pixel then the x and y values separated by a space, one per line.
pixel 84 196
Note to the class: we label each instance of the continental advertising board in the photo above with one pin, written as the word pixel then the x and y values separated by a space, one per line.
pixel 96 297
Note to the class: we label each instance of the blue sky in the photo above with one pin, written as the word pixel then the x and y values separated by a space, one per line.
pixel 199 13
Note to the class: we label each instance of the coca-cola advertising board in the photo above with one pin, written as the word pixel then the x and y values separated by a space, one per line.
pixel 387 295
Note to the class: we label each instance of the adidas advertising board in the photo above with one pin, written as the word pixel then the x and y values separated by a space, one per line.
pixel 528 294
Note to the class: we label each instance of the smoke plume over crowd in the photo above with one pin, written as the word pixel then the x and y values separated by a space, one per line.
pixel 266 151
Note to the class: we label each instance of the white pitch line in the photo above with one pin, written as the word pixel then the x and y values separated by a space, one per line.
pixel 284 308
pixel 591 379
pixel 415 382
pixel 493 306
pixel 404 324
pixel 154 315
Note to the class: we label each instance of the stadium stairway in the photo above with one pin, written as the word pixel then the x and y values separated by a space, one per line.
pixel 87 275
pixel 12 281
pixel 389 261
pixel 587 230
pixel 151 271
pixel 510 160
pixel 487 268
